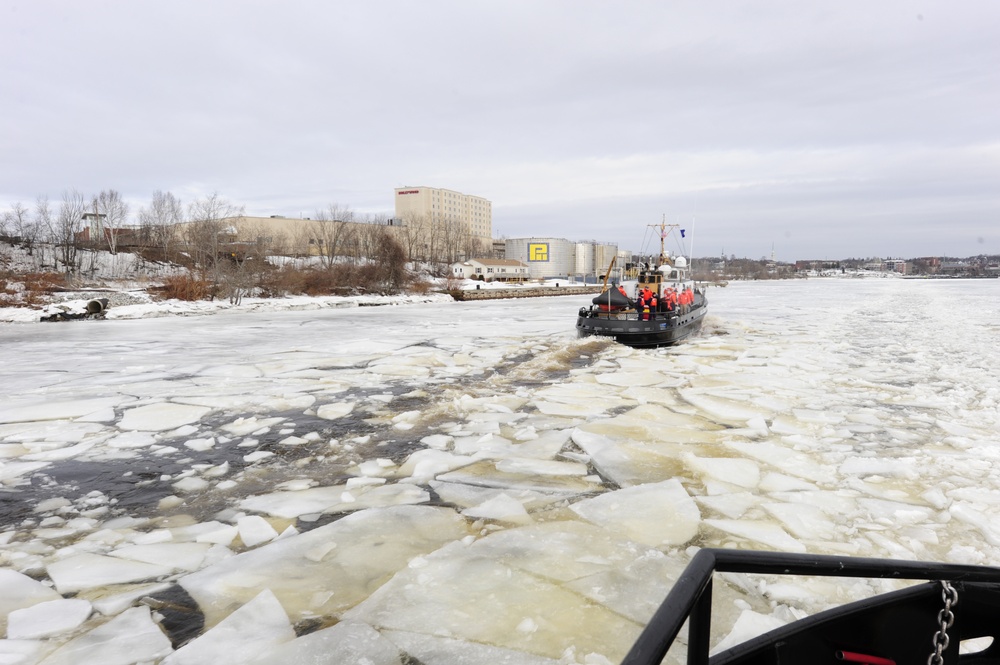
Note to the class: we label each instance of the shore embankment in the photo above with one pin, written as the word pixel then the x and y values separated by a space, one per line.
pixel 520 292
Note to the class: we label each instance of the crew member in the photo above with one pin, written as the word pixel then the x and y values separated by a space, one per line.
pixel 670 298
pixel 646 302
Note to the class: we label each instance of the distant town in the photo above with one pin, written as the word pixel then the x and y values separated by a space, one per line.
pixel 982 266
pixel 211 248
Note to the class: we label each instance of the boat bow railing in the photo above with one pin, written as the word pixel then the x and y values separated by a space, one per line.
pixel 691 596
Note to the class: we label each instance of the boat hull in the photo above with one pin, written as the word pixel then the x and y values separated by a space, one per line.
pixel 628 328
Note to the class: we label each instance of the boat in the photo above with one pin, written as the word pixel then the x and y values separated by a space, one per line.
pixel 945 619
pixel 620 311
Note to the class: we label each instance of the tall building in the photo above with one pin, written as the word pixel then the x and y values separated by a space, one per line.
pixel 445 205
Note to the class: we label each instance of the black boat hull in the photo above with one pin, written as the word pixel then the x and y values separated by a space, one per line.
pixel 662 329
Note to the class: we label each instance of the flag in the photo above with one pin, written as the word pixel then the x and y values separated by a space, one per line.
pixel 682 233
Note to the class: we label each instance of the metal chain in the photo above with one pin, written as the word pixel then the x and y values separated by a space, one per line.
pixel 945 618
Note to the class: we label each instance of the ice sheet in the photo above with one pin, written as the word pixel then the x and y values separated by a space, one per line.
pixel 46 619
pixel 258 625
pixel 131 637
pixel 346 642
pixel 656 514
pixel 85 571
pixel 161 416
pixel 479 599
pixel 326 570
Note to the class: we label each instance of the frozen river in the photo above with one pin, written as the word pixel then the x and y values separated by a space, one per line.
pixel 467 482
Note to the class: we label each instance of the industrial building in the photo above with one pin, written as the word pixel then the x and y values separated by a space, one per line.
pixel 557 257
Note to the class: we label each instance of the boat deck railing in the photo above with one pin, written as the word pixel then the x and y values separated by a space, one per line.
pixel 633 315
pixel 691 596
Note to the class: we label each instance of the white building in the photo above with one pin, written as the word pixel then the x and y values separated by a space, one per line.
pixel 558 257
pixel 491 270
pixel 444 205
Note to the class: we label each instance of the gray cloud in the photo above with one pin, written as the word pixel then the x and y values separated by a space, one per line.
pixel 845 129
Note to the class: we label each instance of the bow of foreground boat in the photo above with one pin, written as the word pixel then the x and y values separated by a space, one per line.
pixel 923 623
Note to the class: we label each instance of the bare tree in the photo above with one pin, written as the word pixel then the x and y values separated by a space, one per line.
pixel 369 236
pixel 452 241
pixel 40 223
pixel 6 225
pixel 390 262
pixel 64 227
pixel 19 227
pixel 113 212
pixel 332 232
pixel 157 223
pixel 472 247
pixel 213 226
pixel 413 236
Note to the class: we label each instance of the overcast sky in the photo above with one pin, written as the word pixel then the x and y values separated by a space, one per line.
pixel 823 129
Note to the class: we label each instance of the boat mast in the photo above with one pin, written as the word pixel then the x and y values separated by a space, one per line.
pixel 662 228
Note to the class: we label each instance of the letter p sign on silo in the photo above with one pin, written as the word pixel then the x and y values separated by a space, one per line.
pixel 538 251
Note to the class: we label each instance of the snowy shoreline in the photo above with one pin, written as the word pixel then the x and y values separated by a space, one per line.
pixel 139 304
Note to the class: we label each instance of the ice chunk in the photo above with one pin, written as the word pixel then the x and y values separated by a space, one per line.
pixel 655 514
pixel 423 465
pixel 53 617
pixel 427 648
pixel 880 466
pixel 255 530
pixel 437 441
pixel 502 508
pixel 470 594
pixel 191 484
pixel 750 624
pixel 730 504
pixel 85 571
pixel 779 482
pixel 258 625
pixel 201 445
pixel 542 467
pixel 625 379
pixel 469 495
pixel 582 409
pixel 784 458
pixel 741 472
pixel 20 591
pixel 895 513
pixel 11 472
pixel 179 556
pixel 129 638
pixel 51 409
pixel 767 533
pixel 724 409
pixel 486 474
pixel 345 642
pixel 334 410
pixel 115 600
pixel 805 522
pixel 132 440
pixel 244 426
pixel 22 652
pixel 367 548
pixel 650 423
pixel 161 416
pixel 334 499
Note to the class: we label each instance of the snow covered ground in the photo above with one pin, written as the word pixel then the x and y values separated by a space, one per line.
pixel 467 482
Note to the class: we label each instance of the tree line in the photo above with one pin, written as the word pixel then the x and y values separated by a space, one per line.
pixel 227 253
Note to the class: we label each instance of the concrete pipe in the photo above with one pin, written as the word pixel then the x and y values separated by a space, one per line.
pixel 97 306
